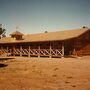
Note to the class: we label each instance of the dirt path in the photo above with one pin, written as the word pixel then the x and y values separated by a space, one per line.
pixel 46 74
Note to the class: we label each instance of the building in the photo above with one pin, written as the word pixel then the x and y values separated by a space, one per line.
pixel 51 44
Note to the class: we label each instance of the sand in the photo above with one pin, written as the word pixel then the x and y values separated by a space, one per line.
pixel 45 74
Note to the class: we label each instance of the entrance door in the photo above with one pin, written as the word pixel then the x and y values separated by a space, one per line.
pixel 67 48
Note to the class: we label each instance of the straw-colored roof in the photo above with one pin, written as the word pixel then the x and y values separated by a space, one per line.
pixel 5 39
pixel 16 33
pixel 53 36
pixel 50 36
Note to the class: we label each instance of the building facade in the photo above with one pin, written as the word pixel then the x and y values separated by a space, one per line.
pixel 51 44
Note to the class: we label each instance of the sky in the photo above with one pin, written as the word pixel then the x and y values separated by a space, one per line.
pixel 38 16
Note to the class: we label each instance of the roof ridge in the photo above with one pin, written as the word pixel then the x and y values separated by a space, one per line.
pixel 59 31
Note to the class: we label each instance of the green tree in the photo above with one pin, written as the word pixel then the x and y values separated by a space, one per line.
pixel 2 32
pixel 46 32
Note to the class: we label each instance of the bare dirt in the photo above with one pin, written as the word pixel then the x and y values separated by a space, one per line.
pixel 45 74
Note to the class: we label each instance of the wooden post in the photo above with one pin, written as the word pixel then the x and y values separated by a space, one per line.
pixel 20 51
pixel 1 49
pixel 39 51
pixel 74 52
pixel 50 55
pixel 13 50
pixel 81 52
pixel 7 51
pixel 63 49
pixel 29 52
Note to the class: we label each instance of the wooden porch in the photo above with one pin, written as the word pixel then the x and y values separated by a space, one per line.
pixel 33 51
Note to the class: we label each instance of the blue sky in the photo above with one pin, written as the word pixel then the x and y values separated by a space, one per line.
pixel 37 16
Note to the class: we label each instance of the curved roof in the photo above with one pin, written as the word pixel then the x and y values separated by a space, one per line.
pixel 16 33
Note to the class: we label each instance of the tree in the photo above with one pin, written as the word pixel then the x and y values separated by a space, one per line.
pixel 46 32
pixel 84 27
pixel 2 32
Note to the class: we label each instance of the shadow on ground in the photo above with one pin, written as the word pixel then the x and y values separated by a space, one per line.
pixel 3 65
pixel 5 58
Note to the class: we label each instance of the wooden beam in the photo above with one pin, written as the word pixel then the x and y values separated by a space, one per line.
pixel 1 47
pixel 63 49
pixel 20 51
pixel 7 51
pixel 29 52
pixel 39 51
pixel 13 51
pixel 74 52
pixel 50 55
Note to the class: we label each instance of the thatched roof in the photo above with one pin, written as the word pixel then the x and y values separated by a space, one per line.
pixel 16 33
pixel 50 36
pixel 5 39
pixel 53 36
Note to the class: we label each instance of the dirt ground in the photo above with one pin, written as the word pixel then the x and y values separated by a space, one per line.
pixel 45 74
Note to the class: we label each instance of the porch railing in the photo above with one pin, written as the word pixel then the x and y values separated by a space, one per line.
pixel 33 52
